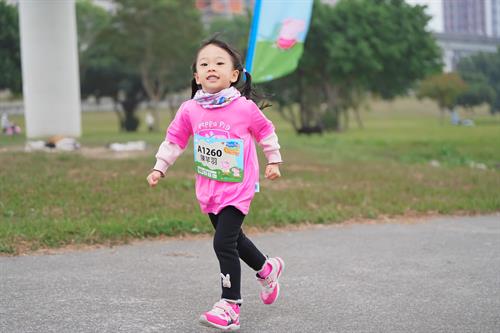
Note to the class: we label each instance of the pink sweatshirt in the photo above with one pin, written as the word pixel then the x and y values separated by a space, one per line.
pixel 241 119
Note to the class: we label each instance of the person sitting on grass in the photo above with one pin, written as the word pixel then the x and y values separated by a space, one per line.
pixel 8 127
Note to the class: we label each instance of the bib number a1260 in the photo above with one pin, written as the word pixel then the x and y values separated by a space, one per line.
pixel 210 152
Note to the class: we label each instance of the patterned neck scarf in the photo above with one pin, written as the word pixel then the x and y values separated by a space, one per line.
pixel 217 100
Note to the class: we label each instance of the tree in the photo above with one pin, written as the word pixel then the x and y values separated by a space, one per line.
pixel 234 31
pixel 444 89
pixel 482 73
pixel 102 73
pixel 91 20
pixel 141 52
pixel 360 46
pixel 10 56
pixel 106 75
pixel 158 39
pixel 477 93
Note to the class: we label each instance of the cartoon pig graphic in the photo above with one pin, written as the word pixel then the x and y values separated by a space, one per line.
pixel 236 172
pixel 225 167
pixel 289 32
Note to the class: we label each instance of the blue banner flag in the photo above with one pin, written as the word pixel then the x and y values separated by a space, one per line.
pixel 277 36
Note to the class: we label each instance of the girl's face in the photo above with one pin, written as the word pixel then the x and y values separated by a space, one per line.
pixel 214 69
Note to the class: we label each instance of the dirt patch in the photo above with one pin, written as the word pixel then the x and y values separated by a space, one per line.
pixel 89 152
pixel 106 153
pixel 410 218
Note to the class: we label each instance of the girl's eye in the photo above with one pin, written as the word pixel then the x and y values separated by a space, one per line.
pixel 220 63
pixel 203 64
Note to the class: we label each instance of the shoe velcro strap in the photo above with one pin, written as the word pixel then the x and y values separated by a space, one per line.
pixel 268 282
pixel 227 308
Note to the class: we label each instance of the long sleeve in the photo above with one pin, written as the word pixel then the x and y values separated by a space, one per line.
pixel 179 131
pixel 166 156
pixel 260 126
pixel 271 148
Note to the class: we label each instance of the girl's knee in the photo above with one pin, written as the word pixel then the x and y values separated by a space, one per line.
pixel 223 245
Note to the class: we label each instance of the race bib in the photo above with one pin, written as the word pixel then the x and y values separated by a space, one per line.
pixel 218 158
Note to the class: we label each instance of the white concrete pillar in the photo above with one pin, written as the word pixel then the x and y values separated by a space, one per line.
pixel 49 58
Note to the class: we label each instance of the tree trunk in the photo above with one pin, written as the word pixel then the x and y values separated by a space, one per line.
pixel 156 113
pixel 346 119
pixel 302 103
pixel 119 114
pixel 357 115
pixel 154 87
pixel 442 115
pixel 171 106
pixel 130 122
pixel 287 113
pixel 331 93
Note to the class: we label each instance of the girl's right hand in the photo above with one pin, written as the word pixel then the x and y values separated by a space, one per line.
pixel 154 178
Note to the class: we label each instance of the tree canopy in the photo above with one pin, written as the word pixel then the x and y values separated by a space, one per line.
pixel 141 51
pixel 482 73
pixel 353 48
pixel 443 88
pixel 10 55
pixel 159 38
pixel 234 31
pixel 359 46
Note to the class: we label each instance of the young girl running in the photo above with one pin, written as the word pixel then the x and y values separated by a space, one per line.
pixel 224 122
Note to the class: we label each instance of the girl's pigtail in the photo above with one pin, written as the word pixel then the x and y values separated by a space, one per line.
pixel 247 87
pixel 249 92
pixel 194 87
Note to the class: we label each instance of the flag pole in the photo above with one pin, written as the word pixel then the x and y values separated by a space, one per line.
pixel 253 36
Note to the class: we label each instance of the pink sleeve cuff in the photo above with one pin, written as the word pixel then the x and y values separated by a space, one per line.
pixel 161 166
pixel 166 156
pixel 274 157
pixel 271 148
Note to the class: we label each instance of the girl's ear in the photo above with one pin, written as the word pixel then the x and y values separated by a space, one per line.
pixel 196 78
pixel 234 75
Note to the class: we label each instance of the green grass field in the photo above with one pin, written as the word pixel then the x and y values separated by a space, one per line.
pixel 56 199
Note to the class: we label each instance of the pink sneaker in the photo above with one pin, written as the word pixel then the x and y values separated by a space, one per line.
pixel 270 286
pixel 223 316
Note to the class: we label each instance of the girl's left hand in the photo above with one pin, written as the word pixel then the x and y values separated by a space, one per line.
pixel 273 171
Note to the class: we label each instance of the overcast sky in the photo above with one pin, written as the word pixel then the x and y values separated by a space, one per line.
pixel 434 9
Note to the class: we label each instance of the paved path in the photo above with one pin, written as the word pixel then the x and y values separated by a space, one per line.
pixel 442 275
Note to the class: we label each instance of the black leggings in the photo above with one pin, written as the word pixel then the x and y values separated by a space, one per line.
pixel 230 244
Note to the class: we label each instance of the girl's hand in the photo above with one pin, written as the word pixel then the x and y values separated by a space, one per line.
pixel 154 178
pixel 273 171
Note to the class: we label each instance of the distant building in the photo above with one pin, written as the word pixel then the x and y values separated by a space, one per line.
pixel 495 17
pixel 458 46
pixel 472 17
pixel 470 26
pixel 465 17
pixel 434 8
pixel 222 8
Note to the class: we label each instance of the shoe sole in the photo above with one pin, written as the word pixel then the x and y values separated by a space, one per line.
pixel 233 327
pixel 282 268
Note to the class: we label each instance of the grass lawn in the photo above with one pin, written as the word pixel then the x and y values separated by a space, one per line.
pixel 55 199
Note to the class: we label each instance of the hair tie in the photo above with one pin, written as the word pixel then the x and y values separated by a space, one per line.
pixel 244 70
